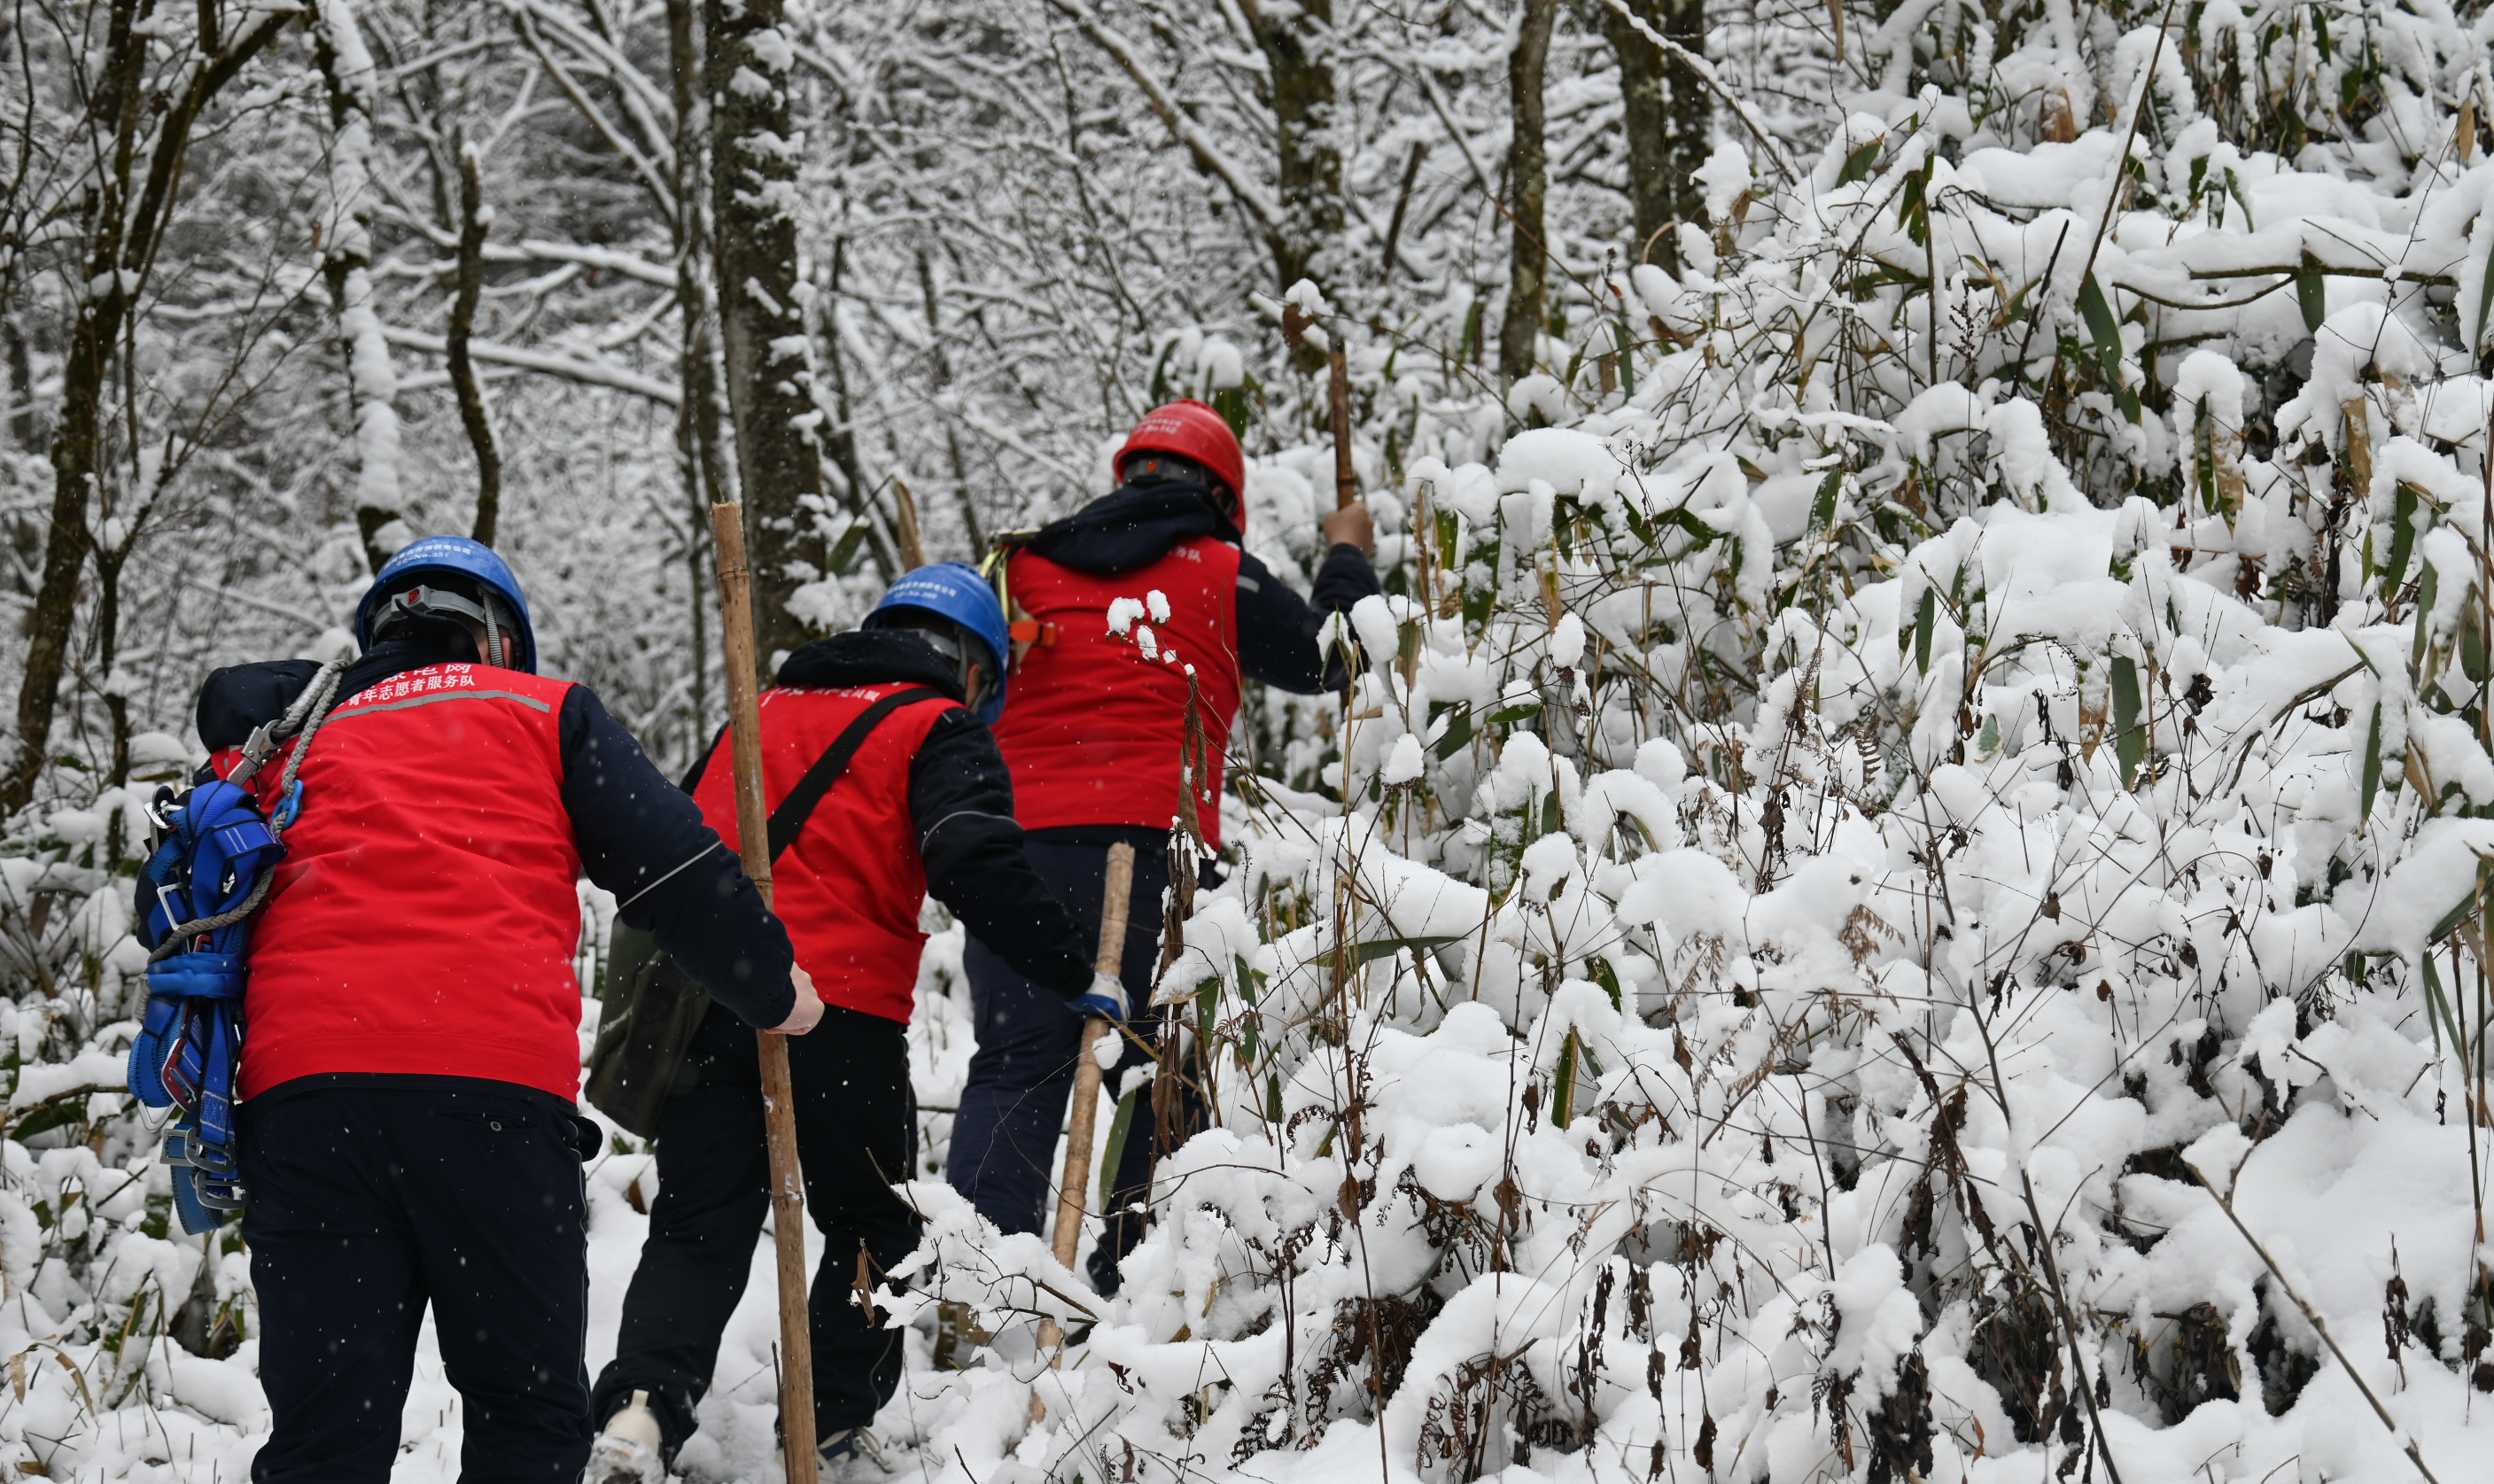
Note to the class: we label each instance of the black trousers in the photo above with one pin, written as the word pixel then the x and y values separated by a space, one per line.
pixel 370 1201
pixel 857 1134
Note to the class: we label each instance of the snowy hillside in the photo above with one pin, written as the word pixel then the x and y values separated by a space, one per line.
pixel 1902 893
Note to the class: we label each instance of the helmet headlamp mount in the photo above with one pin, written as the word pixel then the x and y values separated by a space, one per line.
pixel 488 622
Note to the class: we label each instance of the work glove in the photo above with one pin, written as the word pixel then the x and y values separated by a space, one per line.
pixel 1105 998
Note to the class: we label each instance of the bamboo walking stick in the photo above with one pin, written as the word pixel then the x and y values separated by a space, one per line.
pixel 779 1103
pixel 1294 325
pixel 1345 483
pixel 1111 960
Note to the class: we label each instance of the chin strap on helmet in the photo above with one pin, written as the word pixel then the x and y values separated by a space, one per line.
pixel 948 641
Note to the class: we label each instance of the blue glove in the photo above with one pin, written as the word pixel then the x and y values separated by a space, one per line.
pixel 1105 998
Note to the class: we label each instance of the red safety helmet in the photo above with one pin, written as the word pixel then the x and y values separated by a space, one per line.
pixel 1192 430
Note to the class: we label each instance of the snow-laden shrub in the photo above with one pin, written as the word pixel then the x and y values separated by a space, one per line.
pixel 1899 894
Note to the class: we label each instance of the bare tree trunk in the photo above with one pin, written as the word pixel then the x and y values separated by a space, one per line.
pixel 1527 175
pixel 1668 118
pixel 761 323
pixel 952 433
pixel 1297 45
pixel 77 441
pixel 108 563
pixel 22 385
pixel 121 250
pixel 347 262
pixel 699 414
pixel 841 440
pixel 474 219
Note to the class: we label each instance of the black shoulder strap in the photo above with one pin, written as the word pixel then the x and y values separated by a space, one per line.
pixel 799 806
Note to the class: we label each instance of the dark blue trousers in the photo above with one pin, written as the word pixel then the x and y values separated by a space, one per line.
pixel 1022 1077
pixel 368 1204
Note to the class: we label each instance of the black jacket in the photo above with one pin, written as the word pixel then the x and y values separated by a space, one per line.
pixel 961 808
pixel 1277 629
pixel 639 837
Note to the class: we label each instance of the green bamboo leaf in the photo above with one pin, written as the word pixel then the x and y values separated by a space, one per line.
pixel 2102 327
pixel 1857 164
pixel 2460 912
pixel 1116 1145
pixel 2484 290
pixel 2372 765
pixel 1609 979
pixel 1698 531
pixel 2312 293
pixel 2428 584
pixel 1562 1087
pixel 2235 189
pixel 1385 948
pixel 2403 511
pixel 1822 512
pixel 1909 197
pixel 2130 738
pixel 1923 622
pixel 2437 1006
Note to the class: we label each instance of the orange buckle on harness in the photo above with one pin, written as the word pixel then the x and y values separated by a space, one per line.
pixel 1032 631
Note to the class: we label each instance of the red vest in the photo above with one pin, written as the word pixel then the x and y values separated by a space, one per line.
pixel 850 884
pixel 1096 732
pixel 425 917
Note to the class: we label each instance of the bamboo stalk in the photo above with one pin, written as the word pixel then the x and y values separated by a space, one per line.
pixel 1346 484
pixel 1111 960
pixel 779 1101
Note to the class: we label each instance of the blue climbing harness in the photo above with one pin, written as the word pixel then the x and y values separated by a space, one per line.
pixel 211 871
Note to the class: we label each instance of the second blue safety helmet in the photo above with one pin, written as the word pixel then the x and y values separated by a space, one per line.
pixel 955 592
pixel 475 577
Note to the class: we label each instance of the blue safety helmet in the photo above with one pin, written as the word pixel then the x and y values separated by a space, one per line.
pixel 955 592
pixel 454 556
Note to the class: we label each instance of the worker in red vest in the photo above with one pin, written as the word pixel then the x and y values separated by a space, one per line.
pixel 1096 736
pixel 411 1057
pixel 890 725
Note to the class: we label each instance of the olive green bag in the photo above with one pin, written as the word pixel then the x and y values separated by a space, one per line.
pixel 651 1006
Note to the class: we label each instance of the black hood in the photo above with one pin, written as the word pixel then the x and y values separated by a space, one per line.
pixel 1131 528
pixel 240 697
pixel 425 643
pixel 867 657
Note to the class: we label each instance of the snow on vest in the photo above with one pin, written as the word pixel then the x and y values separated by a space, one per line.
pixel 851 883
pixel 425 915
pixel 1094 732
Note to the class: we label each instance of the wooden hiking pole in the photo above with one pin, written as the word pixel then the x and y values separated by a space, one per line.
pixel 1296 322
pixel 1109 960
pixel 778 1102
pixel 1346 484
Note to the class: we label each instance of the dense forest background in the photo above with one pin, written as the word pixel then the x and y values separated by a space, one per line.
pixel 1901 891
